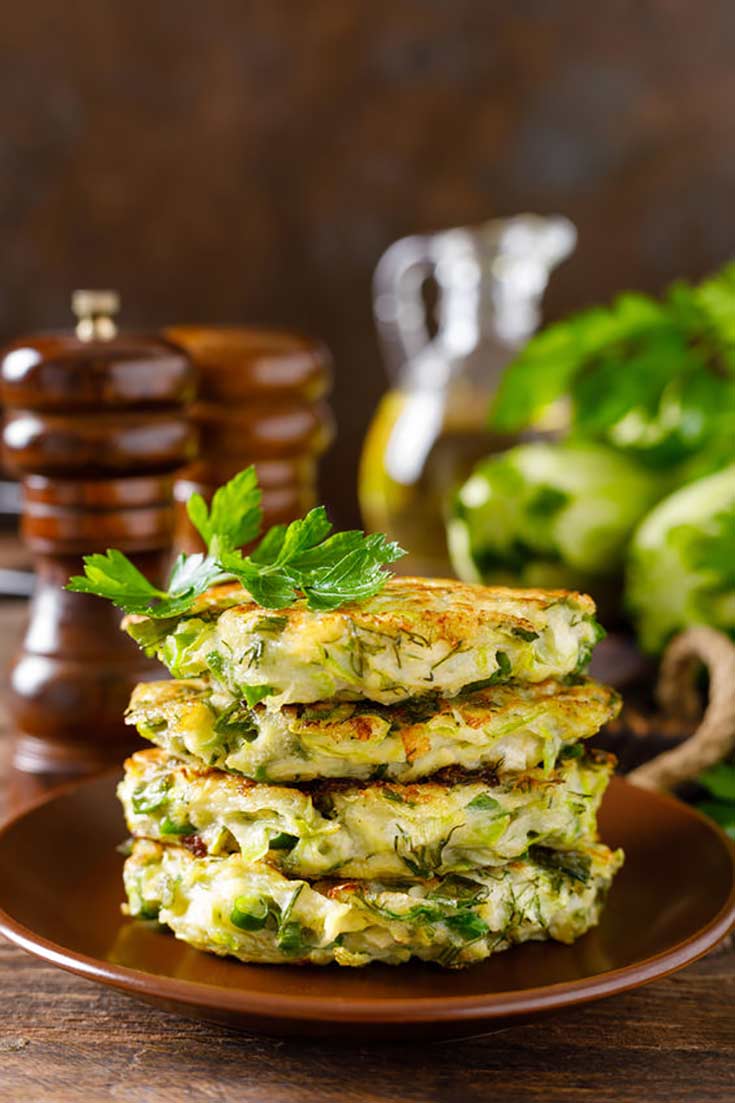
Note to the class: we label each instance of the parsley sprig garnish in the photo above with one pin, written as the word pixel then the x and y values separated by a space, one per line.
pixel 303 558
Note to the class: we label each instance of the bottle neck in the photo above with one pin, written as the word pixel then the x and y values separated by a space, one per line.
pixel 468 317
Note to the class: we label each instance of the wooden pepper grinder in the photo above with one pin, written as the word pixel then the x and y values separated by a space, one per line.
pixel 95 423
pixel 260 400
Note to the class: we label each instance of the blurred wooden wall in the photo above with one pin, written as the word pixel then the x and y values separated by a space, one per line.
pixel 251 159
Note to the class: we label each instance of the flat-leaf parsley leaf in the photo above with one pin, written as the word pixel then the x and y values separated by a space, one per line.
pixel 303 558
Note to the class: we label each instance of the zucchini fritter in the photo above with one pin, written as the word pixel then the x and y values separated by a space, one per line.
pixel 448 824
pixel 258 915
pixel 506 728
pixel 417 635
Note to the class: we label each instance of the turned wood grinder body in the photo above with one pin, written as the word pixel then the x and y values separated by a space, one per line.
pixel 95 424
pixel 260 400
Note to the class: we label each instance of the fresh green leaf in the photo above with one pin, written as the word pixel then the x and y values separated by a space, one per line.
pixel 720 781
pixel 345 567
pixel 235 516
pixel 303 536
pixel 270 586
pixel 655 379
pixel 113 576
pixel 721 812
pixel 192 574
pixel 549 362
pixel 285 543
pixel 269 548
pixel 311 561
pixel 301 558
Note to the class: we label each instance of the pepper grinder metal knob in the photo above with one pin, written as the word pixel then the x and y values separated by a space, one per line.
pixel 95 312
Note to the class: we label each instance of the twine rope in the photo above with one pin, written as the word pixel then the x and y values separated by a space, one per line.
pixel 714 738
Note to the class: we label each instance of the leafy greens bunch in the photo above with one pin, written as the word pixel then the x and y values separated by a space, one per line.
pixel 643 483
pixel 654 379
pixel 302 558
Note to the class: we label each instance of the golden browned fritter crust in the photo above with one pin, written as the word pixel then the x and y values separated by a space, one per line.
pixel 415 636
pixel 506 728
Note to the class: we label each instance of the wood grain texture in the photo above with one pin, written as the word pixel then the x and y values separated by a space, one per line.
pixel 66 1040
pixel 261 401
pixel 250 162
pixel 112 411
pixel 63 1040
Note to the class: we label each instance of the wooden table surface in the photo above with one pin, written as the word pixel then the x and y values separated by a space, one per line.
pixel 67 1040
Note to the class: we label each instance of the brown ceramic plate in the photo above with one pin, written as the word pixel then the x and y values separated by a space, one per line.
pixel 60 894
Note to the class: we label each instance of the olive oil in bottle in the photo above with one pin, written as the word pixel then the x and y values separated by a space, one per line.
pixel 431 427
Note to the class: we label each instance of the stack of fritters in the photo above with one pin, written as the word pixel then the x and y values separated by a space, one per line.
pixel 401 777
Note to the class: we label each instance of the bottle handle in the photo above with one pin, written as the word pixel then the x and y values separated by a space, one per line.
pixel 398 305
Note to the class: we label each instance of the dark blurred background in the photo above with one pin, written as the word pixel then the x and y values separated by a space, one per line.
pixel 250 161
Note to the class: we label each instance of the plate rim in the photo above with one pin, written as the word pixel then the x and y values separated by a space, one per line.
pixel 348 1009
